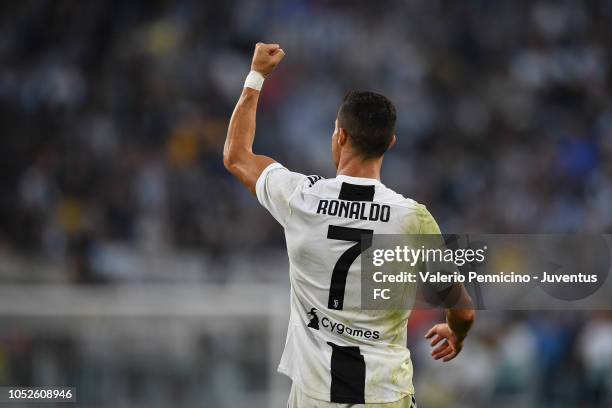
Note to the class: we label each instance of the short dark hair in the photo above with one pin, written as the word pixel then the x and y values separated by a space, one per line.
pixel 369 120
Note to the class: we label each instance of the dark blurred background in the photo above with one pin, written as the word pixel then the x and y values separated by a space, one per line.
pixel 113 116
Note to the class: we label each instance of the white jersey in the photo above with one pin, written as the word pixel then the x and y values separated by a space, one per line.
pixel 334 351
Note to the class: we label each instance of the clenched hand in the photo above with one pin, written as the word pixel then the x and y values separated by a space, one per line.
pixel 266 58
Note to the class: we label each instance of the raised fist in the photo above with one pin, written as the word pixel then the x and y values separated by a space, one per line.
pixel 266 58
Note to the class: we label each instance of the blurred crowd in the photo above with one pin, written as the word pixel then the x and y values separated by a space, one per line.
pixel 511 359
pixel 114 116
pixel 522 359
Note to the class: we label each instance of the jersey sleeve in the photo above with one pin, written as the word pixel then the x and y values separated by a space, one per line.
pixel 427 223
pixel 430 236
pixel 275 187
pixel 420 221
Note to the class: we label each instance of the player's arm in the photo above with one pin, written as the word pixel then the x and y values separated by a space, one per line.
pixel 460 313
pixel 459 320
pixel 238 156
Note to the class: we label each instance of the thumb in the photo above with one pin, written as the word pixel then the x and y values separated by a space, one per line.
pixel 431 332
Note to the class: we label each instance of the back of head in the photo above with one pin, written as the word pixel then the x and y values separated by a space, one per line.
pixel 369 119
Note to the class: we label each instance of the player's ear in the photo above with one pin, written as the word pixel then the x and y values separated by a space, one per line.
pixel 342 137
pixel 393 141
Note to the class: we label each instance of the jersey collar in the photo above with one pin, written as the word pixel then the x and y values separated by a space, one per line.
pixel 358 180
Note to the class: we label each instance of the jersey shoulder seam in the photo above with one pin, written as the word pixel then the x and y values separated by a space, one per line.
pixel 312 180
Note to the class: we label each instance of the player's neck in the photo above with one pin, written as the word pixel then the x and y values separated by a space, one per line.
pixel 357 167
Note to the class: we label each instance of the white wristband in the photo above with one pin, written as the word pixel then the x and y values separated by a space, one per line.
pixel 254 80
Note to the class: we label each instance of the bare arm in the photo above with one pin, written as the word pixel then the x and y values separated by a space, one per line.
pixel 460 313
pixel 459 320
pixel 238 156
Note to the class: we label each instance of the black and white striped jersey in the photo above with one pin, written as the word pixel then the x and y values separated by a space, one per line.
pixel 335 351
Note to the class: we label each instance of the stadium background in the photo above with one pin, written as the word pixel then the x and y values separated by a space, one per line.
pixel 134 268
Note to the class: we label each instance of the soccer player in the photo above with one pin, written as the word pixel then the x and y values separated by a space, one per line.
pixel 336 354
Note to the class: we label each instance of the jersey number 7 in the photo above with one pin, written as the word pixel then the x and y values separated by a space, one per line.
pixel 363 240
